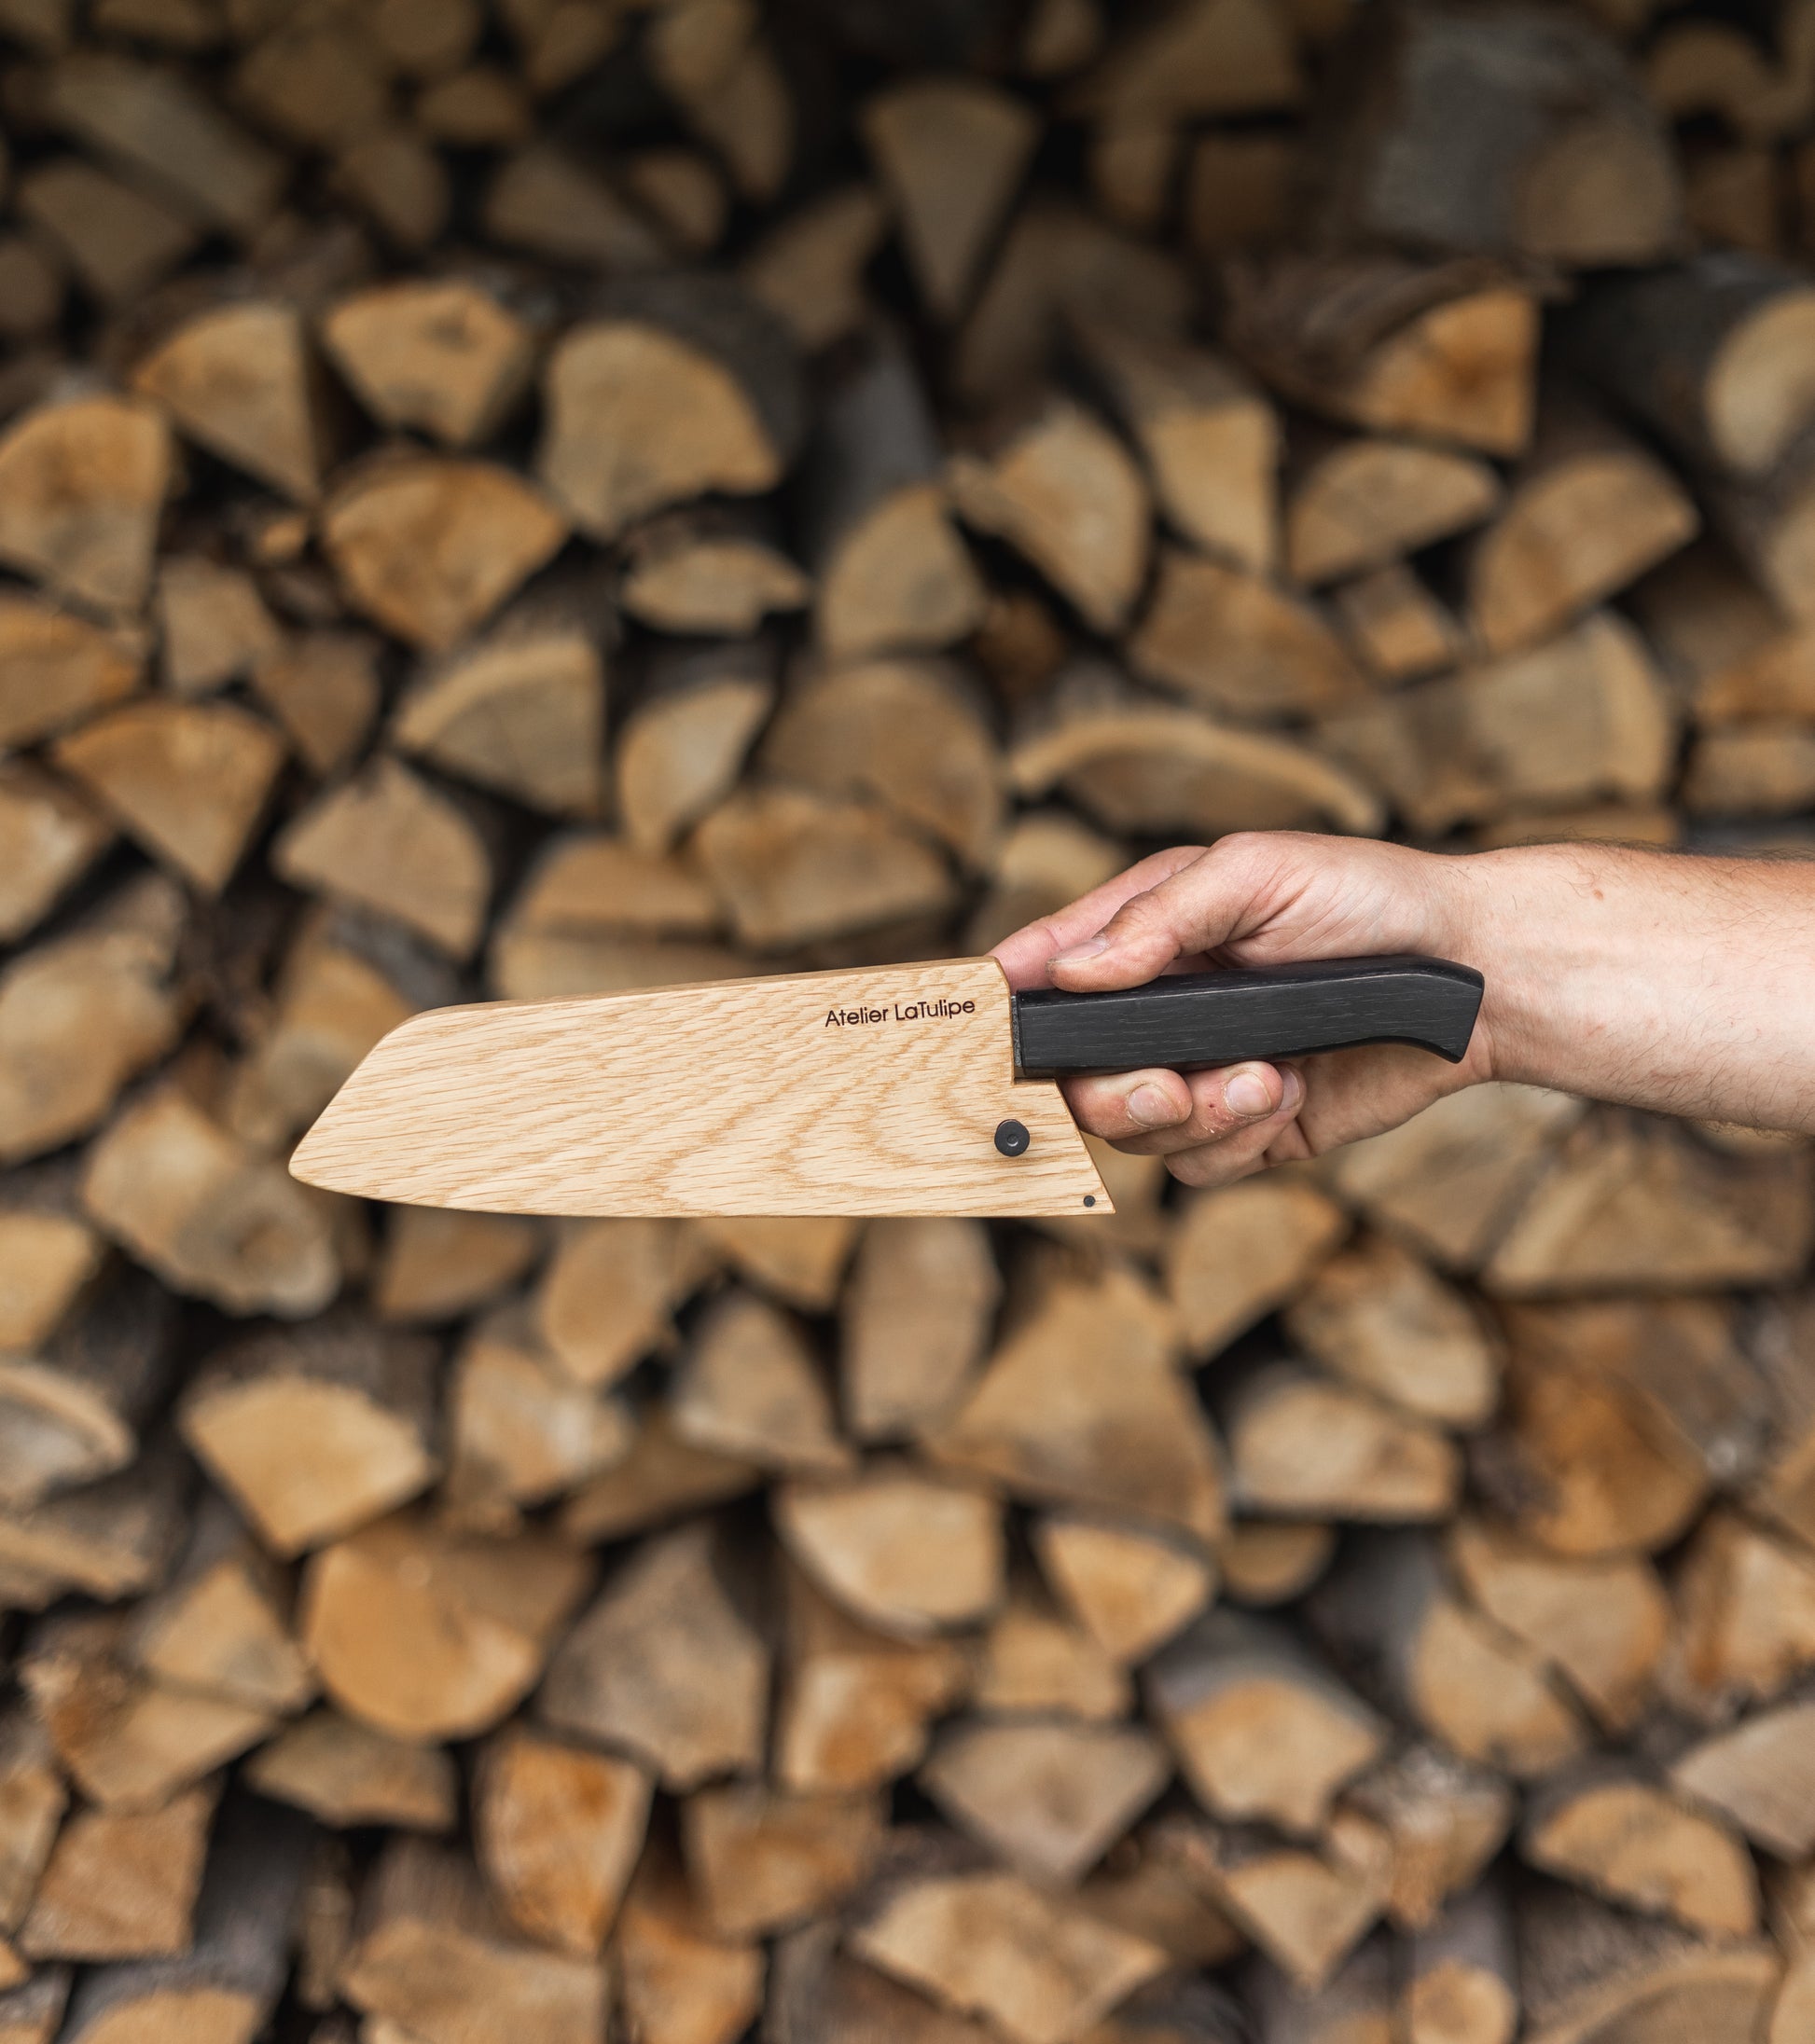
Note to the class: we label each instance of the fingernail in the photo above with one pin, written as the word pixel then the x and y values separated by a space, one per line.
pixel 1295 1091
pixel 1087 949
pixel 1245 1093
pixel 1149 1105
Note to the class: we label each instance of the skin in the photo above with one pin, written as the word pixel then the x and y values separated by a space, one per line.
pixel 1659 980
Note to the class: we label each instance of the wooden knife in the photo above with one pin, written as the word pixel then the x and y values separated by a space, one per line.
pixel 896 1089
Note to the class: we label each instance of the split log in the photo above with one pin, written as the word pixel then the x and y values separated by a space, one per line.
pixel 1232 642
pixel 683 743
pixel 107 1539
pixel 1263 1730
pixel 59 670
pixel 1273 1561
pixel 1084 1405
pixel 1034 1661
pixel 346 1773
pixel 808 269
pixel 389 842
pixel 429 546
pixel 749 1387
pixel 214 624
pixel 690 572
pixel 1766 769
pixel 1721 639
pixel 440 1264
pixel 950 153
pixel 317 84
pixel 1039 1969
pixel 1304 1446
pixel 665 1665
pixel 120 241
pixel 1355 2001
pixel 1447 352
pixel 761 1859
pixel 1048 1799
pixel 431 1956
pixel 544 202
pixel 240 382
pixel 683 193
pixel 33 1798
pixel 1365 502
pixel 819 1994
pixel 1387 1609
pixel 609 1292
pixel 1211 439
pixel 1569 160
pixel 32 2012
pixel 659 1478
pixel 122 1884
pixel 323 687
pixel 1783 1492
pixel 1745 1608
pixel 1045 858
pixel 1581 718
pixel 1195 57
pixel 855 1706
pixel 433 1635
pixel 1151 1886
pixel 1446 1817
pixel 689 347
pixel 82 483
pixel 1065 492
pixel 792 867
pixel 49 838
pixel 188 780
pixel 1621 1837
pixel 558 1830
pixel 317 1431
pixel 1396 626
pixel 1699 67
pixel 915 1321
pixel 1243 1250
pixel 1586 512
pixel 1462 1984
pixel 522 713
pixel 678 1984
pixel 210 1217
pixel 1131 1589
pixel 1760 1776
pixel 894 577
pixel 443 358
pixel 1603 1623
pixel 1376 1316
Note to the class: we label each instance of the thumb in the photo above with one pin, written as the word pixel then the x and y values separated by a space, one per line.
pixel 1193 910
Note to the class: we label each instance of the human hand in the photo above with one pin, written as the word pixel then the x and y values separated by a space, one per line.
pixel 1255 899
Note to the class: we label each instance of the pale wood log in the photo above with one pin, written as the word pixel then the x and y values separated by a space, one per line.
pixel 1210 438
pixel 950 153
pixel 1462 1975
pixel 1770 523
pixel 429 546
pixel 681 748
pixel 388 842
pixel 444 357
pixel 346 1773
pixel 855 1706
pixel 1446 1817
pixel 429 1633
pixel 637 921
pixel 318 83
pixel 1396 626
pixel 1386 1607
pixel 1746 1618
pixel 1038 1968
pixel 543 201
pixel 1083 1404
pixel 678 1984
pixel 1355 2005
pixel 1783 1492
pixel 1152 1884
pixel 438 1264
pixel 747 114
pixel 684 347
pixel 1569 160
pixel 323 688
pixel 240 382
pixel 1234 643
pixel 1360 504
pixel 1036 1660
pixel 915 1319
pixel 558 1830
pixel 1604 1623
pixel 908 733
pixel 1131 1590
pixel 214 625
pixel 317 1431
pixel 1063 490
pixel 433 1957
pixel 82 483
pixel 608 1295
pixel 50 837
pixel 1304 1446
pixel 120 241
pixel 1587 512
pixel 1264 1562
pixel 1614 1832
pixel 818 1995
pixel 1045 858
pixel 59 670
pixel 750 1389
pixel 1581 717
pixel 661 1477
pixel 1444 351
pixel 1243 1250
pixel 1765 769
pixel 1609 824
pixel 122 1884
pixel 188 780
pixel 1721 637
pixel 807 270
pixel 1196 57
pixel 1591 1974
pixel 665 1665
pixel 1794 2011
pixel 691 571
pixel 32 1798
pixel 684 192
pixel 107 1539
pixel 1379 1317
pixel 762 1858
pixel 1759 1774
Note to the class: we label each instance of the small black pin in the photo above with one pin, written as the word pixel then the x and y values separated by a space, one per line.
pixel 1012 1137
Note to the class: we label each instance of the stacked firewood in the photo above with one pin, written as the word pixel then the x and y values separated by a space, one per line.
pixel 533 497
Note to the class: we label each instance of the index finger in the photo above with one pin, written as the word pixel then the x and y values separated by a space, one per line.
pixel 1023 955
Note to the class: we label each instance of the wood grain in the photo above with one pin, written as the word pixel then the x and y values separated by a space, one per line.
pixel 722 1097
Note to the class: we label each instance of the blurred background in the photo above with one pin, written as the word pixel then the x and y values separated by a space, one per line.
pixel 533 497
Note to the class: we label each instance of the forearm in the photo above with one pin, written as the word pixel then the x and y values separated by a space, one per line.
pixel 1681 983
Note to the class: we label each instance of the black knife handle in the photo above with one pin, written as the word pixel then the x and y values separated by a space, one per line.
pixel 1190 1020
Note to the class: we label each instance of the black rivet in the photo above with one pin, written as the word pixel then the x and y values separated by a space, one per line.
pixel 1090 1199
pixel 1012 1137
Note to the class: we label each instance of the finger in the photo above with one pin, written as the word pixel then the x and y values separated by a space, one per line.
pixel 1194 909
pixel 1223 1104
pixel 1129 1104
pixel 1245 1151
pixel 1024 953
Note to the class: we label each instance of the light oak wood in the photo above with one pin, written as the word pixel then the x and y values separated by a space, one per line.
pixel 520 1107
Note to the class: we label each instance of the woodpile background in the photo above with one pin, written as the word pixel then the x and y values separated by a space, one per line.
pixel 512 497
